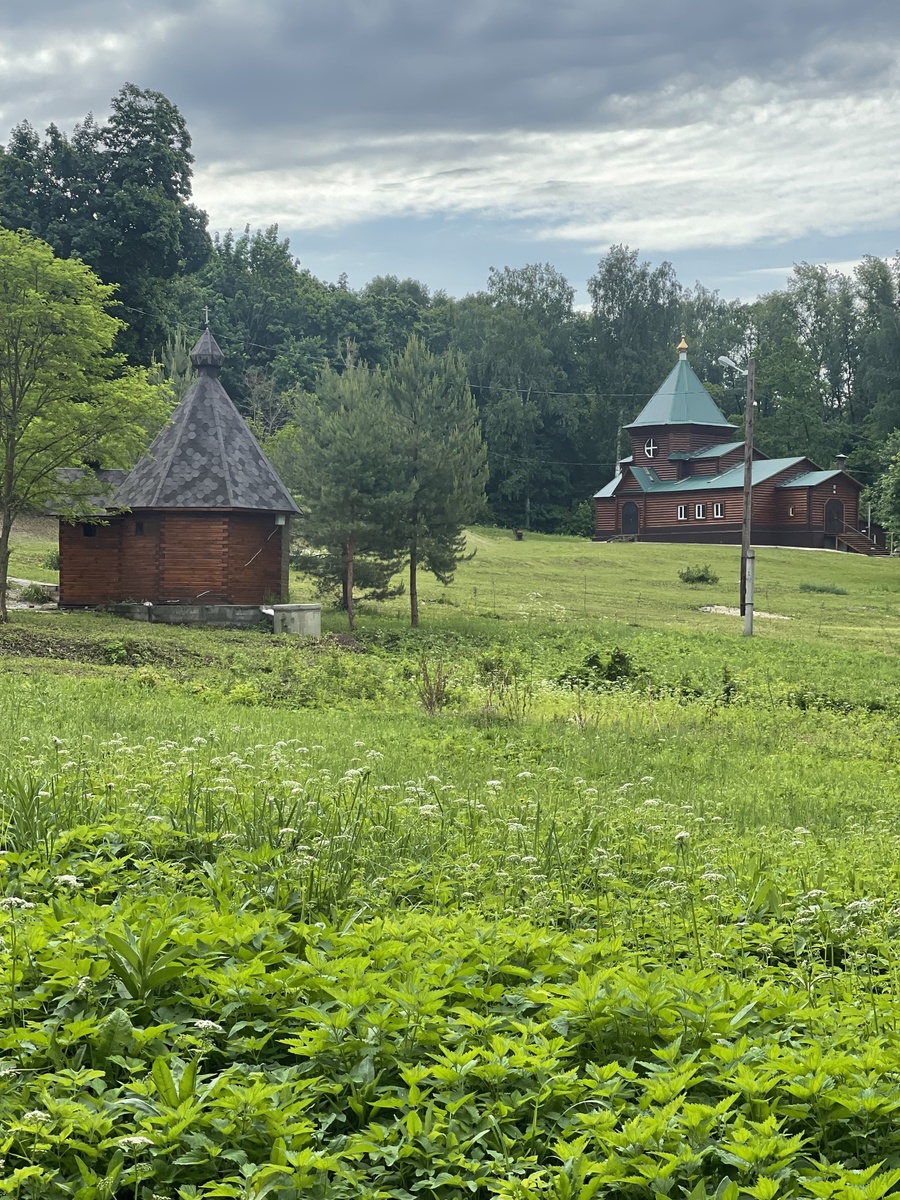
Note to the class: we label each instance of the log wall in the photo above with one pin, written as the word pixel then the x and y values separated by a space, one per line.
pixel 218 557
pixel 254 559
pixel 88 566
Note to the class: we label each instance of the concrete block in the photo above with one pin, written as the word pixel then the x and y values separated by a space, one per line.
pixel 304 619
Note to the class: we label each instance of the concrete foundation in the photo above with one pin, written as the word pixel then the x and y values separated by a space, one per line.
pixel 229 616
pixel 303 619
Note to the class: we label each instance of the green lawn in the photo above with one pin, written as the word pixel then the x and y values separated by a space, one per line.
pixel 571 892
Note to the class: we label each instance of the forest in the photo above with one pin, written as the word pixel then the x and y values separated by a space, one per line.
pixel 553 384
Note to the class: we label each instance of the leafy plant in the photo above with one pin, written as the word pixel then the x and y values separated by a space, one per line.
pixel 699 573
pixel 34 593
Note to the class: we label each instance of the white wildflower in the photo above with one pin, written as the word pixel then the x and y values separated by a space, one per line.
pixel 12 903
pixel 208 1027
pixel 71 881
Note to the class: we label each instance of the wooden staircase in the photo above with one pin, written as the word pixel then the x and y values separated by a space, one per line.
pixel 853 539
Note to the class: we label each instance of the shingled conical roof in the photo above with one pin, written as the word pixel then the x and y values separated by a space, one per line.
pixel 206 457
pixel 681 399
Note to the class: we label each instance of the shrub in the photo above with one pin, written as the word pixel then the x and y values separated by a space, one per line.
pixel 698 574
pixel 51 562
pixel 579 522
pixel 598 669
pixel 35 594
pixel 830 588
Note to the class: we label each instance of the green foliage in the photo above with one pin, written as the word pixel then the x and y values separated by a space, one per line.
pixel 270 929
pixel 51 561
pixel 117 197
pixel 580 521
pixel 699 573
pixel 830 589
pixel 64 396
pixel 33 593
pixel 341 454
pixel 442 461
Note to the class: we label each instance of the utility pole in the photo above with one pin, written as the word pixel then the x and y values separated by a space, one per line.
pixel 748 559
pixel 747 555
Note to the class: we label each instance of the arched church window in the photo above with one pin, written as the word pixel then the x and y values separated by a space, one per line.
pixel 650 448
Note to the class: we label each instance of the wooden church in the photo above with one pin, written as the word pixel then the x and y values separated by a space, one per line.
pixel 683 481
pixel 202 518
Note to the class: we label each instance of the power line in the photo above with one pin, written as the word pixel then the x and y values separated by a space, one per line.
pixel 500 387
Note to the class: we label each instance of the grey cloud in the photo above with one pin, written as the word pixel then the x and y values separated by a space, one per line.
pixel 240 69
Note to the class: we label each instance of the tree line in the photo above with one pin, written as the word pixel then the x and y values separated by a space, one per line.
pixel 553 385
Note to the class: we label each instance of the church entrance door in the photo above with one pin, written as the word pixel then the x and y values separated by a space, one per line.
pixel 834 520
pixel 630 517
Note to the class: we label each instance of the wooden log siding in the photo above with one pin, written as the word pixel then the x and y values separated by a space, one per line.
pixel 88 566
pixel 223 557
pixel 793 506
pixel 194 554
pixel 140 540
pixel 833 489
pixel 605 517
pixel 254 559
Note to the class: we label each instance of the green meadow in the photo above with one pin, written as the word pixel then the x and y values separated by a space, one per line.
pixel 571 892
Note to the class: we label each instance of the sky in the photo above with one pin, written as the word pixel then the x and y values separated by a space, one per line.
pixel 438 138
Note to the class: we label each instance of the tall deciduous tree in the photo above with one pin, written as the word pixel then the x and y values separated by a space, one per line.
pixel 65 398
pixel 444 460
pixel 341 457
pixel 117 196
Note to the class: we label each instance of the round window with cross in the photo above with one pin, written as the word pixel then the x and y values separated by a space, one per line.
pixel 650 448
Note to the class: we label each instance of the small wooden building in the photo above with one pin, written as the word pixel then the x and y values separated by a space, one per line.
pixel 683 482
pixel 202 518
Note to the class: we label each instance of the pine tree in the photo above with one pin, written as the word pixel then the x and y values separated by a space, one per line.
pixel 340 456
pixel 444 460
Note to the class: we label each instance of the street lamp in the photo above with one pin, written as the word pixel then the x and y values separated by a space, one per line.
pixel 747 555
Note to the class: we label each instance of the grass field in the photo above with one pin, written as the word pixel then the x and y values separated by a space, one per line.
pixel 571 892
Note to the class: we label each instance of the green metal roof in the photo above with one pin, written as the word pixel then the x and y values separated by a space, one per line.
pixel 763 469
pixel 681 399
pixel 811 478
pixel 717 451
pixel 608 489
